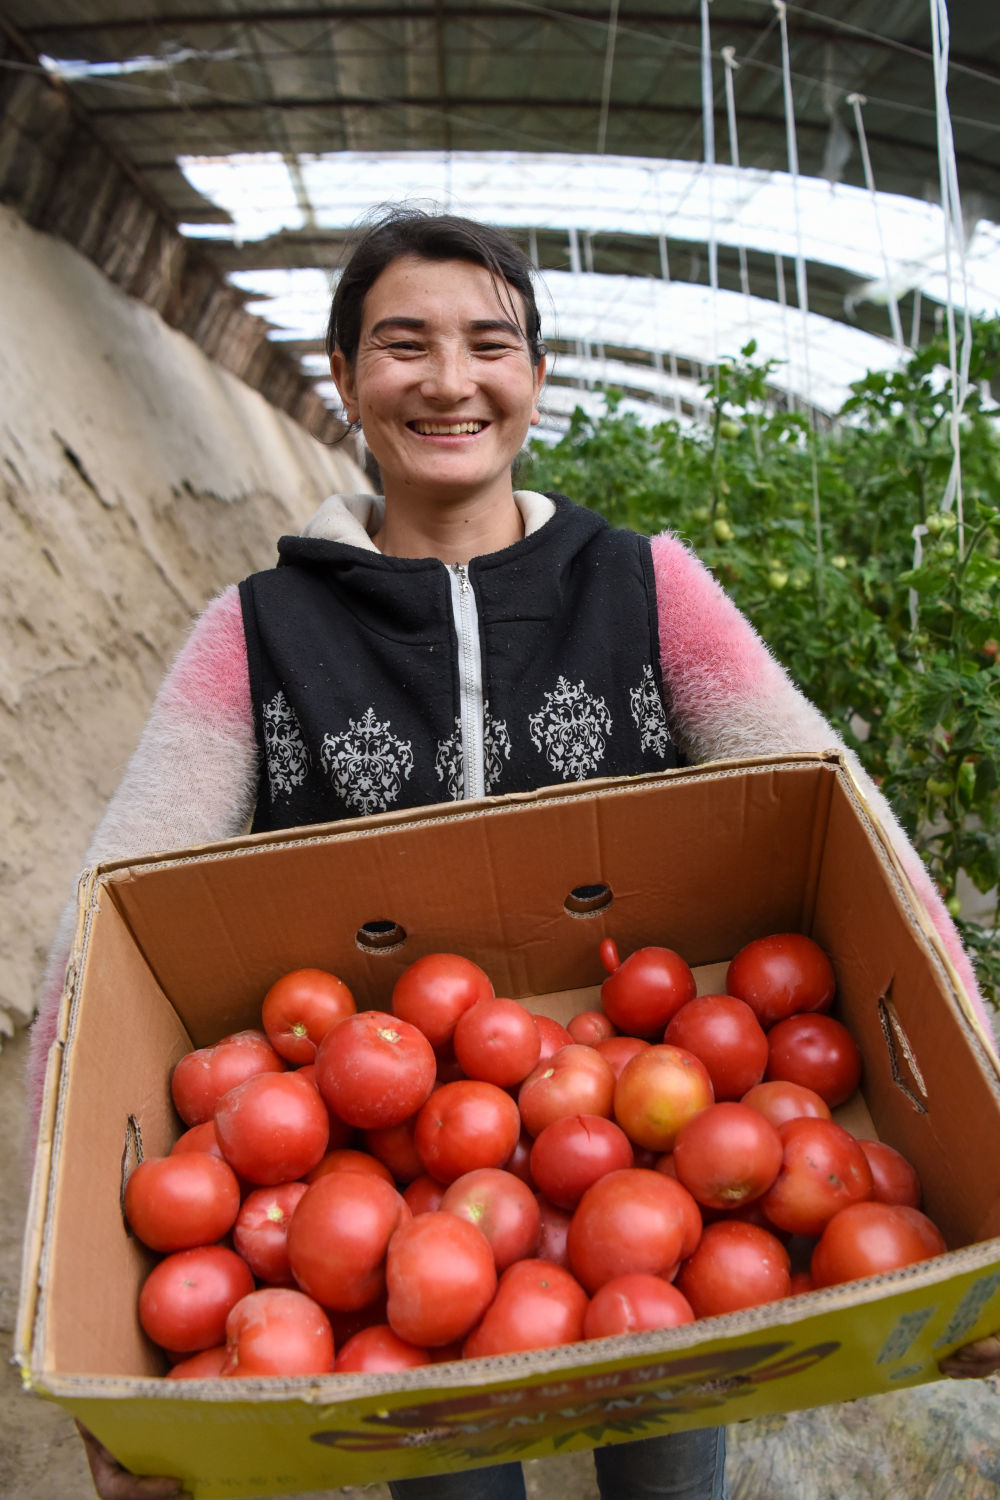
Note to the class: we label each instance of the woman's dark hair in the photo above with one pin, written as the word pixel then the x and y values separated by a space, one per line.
pixel 411 231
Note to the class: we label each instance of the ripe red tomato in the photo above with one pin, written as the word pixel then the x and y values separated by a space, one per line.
pixel 186 1298
pixel 177 1202
pixel 537 1306
pixel 272 1128
pixel 574 1152
pixel 339 1235
pixel 204 1365
pixel 500 1205
pixel 202 1077
pixel 576 1080
pixel 630 1220
pixel 590 1027
pixel 396 1148
pixel 261 1231
pixel 630 1304
pixel 553 1232
pixel 867 1239
pixel 658 1092
pixel 278 1331
pixel 618 1050
pixel 375 1070
pixel 434 991
pixel 299 1010
pixel 423 1195
pixel 727 1155
pixel 497 1041
pixel 552 1035
pixel 466 1125
pixel 641 994
pixel 816 1052
pixel 736 1265
pixel 779 1102
pixel 198 1138
pixel 894 1179
pixel 781 974
pixel 348 1160
pixel 823 1169
pixel 724 1032
pixel 378 1349
pixel 441 1279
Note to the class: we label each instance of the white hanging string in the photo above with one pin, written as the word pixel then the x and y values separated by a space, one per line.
pixel 800 284
pixel 665 273
pixel 954 238
pixel 609 64
pixel 856 101
pixel 729 58
pixel 708 133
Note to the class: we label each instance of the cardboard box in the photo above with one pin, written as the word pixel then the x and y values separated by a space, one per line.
pixel 178 950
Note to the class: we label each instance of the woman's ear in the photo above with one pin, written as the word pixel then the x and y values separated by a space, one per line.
pixel 343 379
pixel 539 382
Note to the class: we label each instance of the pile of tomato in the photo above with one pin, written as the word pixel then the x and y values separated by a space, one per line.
pixel 458 1177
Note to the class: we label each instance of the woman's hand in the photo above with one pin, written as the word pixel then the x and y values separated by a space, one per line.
pixel 973 1361
pixel 112 1482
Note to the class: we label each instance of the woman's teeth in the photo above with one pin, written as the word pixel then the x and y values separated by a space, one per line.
pixel 446 429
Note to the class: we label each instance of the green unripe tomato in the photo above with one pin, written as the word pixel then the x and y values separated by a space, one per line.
pixel 729 429
pixel 722 531
pixel 954 906
pixel 939 787
pixel 776 579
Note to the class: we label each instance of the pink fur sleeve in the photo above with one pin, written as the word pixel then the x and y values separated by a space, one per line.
pixel 191 779
pixel 731 697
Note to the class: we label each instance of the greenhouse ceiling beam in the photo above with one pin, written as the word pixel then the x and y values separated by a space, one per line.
pixel 640 19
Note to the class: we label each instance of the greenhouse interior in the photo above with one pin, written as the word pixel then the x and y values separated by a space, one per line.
pixel 765 239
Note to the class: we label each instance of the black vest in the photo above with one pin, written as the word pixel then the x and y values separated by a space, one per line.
pixel 355 676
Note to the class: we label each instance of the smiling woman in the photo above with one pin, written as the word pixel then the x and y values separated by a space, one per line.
pixel 454 638
pixel 445 388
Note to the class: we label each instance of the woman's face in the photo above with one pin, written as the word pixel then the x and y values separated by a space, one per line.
pixel 443 383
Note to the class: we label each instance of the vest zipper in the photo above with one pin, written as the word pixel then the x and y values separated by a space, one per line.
pixel 470 681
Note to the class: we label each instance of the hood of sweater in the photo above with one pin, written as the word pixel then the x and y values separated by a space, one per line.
pixel 354 519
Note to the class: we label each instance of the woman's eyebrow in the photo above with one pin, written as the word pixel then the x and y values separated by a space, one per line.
pixel 479 325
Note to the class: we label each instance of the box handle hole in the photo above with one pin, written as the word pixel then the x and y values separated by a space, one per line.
pixel 588 900
pixel 906 1074
pixel 380 937
pixel 131 1158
